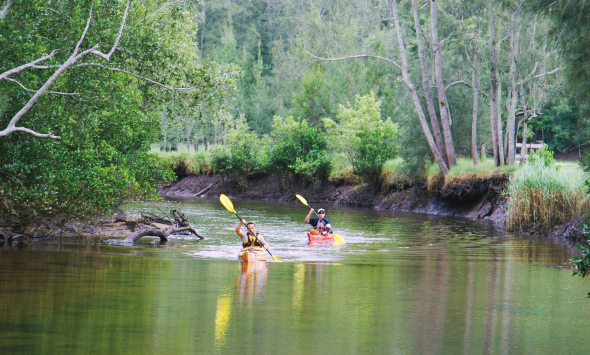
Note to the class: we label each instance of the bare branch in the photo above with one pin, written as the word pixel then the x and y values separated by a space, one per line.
pixel 455 83
pixel 168 4
pixel 31 132
pixel 548 73
pixel 466 84
pixel 327 60
pixel 443 41
pixel 28 65
pixel 49 92
pixel 107 57
pixel 134 75
pixel 4 9
pixel 65 66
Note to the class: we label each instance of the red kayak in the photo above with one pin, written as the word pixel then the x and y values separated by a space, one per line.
pixel 315 236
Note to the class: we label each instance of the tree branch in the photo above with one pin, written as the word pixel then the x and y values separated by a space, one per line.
pixel 168 4
pixel 327 60
pixel 134 75
pixel 68 63
pixel 32 64
pixel 107 57
pixel 49 92
pixel 4 9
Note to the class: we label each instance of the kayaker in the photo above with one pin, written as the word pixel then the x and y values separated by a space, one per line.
pixel 322 224
pixel 249 239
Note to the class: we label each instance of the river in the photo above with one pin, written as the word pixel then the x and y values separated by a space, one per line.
pixel 402 284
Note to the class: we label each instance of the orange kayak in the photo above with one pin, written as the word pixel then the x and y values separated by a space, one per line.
pixel 315 236
pixel 253 253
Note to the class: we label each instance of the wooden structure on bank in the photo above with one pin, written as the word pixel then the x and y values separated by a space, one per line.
pixel 526 151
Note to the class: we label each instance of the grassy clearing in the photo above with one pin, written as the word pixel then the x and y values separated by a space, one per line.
pixel 465 170
pixel 542 196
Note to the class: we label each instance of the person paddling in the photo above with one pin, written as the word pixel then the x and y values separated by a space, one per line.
pixel 248 239
pixel 322 224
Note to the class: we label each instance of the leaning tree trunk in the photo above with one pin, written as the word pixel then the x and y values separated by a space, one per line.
pixel 426 84
pixel 440 88
pixel 501 159
pixel 475 86
pixel 511 118
pixel 406 76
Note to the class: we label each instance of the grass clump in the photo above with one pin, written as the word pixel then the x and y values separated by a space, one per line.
pixel 541 194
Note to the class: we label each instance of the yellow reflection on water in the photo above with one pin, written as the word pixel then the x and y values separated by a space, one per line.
pixel 222 317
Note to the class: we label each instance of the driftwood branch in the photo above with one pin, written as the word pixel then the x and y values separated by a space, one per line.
pixel 204 190
pixel 158 232
pixel 179 224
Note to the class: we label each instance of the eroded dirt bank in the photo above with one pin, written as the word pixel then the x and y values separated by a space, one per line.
pixel 476 198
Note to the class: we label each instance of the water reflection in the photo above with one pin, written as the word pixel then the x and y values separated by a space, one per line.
pixel 251 281
pixel 407 284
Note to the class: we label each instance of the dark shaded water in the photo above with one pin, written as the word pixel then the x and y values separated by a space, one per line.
pixel 402 284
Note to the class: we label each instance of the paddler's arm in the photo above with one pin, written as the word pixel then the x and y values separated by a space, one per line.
pixel 263 241
pixel 308 215
pixel 239 228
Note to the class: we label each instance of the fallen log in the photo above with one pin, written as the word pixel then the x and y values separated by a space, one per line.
pixel 158 232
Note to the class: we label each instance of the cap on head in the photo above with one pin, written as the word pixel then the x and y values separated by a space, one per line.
pixel 321 210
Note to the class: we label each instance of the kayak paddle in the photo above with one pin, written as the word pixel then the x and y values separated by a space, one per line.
pixel 337 237
pixel 225 201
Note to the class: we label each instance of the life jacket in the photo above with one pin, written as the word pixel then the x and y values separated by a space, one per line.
pixel 321 226
pixel 252 242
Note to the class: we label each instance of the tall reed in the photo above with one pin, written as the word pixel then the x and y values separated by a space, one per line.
pixel 541 196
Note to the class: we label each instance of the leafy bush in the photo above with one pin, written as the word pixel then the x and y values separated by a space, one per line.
pixel 542 156
pixel 367 140
pixel 238 155
pixel 297 147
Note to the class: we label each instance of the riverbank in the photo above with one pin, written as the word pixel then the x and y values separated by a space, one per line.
pixel 474 197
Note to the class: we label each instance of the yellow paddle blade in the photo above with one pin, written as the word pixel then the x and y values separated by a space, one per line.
pixel 339 238
pixel 301 199
pixel 227 203
pixel 275 258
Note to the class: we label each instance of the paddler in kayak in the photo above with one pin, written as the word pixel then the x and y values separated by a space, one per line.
pixel 248 239
pixel 322 224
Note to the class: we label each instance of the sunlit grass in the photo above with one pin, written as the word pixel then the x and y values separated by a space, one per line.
pixel 543 196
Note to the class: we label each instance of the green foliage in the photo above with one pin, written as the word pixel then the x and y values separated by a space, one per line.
pixel 543 157
pixel 106 127
pixel 368 140
pixel 299 148
pixel 238 155
pixel 315 102
pixel 582 264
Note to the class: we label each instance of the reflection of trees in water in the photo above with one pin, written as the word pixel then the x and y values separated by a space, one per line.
pixel 251 281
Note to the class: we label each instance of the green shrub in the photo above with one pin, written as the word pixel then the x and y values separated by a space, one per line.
pixel 299 148
pixel 367 140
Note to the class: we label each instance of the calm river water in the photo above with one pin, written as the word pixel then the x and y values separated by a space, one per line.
pixel 402 284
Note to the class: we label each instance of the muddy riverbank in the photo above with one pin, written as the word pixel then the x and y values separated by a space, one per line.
pixel 477 198
pixel 474 197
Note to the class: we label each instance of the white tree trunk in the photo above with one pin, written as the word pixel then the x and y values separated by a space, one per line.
pixel 406 76
pixel 440 86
